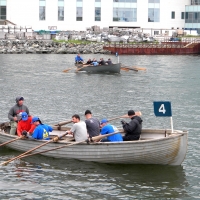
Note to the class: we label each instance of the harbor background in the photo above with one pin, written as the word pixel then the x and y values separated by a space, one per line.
pixel 55 96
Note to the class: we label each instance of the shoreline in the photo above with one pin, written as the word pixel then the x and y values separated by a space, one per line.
pixel 49 47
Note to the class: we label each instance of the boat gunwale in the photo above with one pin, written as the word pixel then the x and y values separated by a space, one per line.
pixel 171 136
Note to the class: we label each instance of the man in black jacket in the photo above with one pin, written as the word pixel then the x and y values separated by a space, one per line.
pixel 133 128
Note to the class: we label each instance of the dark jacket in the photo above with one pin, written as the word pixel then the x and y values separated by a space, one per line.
pixel 133 129
pixel 102 62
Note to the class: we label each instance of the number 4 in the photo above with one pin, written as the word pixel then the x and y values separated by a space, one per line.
pixel 162 109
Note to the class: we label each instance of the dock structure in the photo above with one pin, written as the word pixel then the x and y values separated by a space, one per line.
pixel 162 48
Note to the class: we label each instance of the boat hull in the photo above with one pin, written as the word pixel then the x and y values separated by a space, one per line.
pixel 154 147
pixel 114 68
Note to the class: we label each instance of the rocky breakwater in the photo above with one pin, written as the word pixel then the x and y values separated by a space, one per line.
pixel 49 47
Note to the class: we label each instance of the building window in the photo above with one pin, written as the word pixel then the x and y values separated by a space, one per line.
pixel 192 17
pixel 153 10
pixel 128 1
pixel 173 15
pixel 60 10
pixel 2 9
pixel 182 15
pixel 42 9
pixel 125 10
pixel 156 32
pixel 195 2
pixel 79 10
pixel 97 11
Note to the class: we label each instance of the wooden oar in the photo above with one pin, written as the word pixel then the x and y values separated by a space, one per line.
pixel 126 68
pixel 63 123
pixel 45 143
pixel 18 138
pixel 138 113
pixel 133 68
pixel 82 67
pixel 96 138
pixel 66 70
pixel 139 68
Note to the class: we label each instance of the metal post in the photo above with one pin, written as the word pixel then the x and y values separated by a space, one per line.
pixel 172 129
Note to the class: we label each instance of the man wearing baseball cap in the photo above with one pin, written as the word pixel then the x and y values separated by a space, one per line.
pixel 108 128
pixel 41 131
pixel 133 128
pixel 18 108
pixel 25 124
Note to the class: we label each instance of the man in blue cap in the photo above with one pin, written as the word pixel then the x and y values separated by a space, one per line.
pixel 108 128
pixel 41 131
pixel 25 124
pixel 15 112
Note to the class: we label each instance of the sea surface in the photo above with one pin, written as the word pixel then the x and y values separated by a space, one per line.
pixel 55 96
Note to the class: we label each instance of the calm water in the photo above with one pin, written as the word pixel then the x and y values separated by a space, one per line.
pixel 55 96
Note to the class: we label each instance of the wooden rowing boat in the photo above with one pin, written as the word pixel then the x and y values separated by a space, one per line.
pixel 114 68
pixel 156 146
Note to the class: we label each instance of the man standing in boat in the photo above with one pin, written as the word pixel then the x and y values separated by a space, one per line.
pixel 133 128
pixel 15 111
pixel 78 130
pixel 92 124
pixel 78 59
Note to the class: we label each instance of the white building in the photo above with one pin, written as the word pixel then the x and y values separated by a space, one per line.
pixel 80 14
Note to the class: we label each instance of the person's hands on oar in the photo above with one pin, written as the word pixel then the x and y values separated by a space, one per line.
pixel 55 139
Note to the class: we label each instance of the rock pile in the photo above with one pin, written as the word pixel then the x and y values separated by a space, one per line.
pixel 49 47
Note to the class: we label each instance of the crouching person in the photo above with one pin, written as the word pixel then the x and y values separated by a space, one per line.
pixel 108 128
pixel 41 131
pixel 25 124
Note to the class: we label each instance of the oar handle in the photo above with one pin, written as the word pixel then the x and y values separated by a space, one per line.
pixel 99 137
pixel 63 123
pixel 138 113
pixel 115 118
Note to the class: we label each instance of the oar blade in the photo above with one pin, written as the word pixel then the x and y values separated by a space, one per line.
pixel 66 70
pixel 139 68
pixel 125 69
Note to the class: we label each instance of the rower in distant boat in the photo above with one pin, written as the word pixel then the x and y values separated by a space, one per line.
pixel 78 59
pixel 109 62
pixel 89 62
pixel 102 62
pixel 95 63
